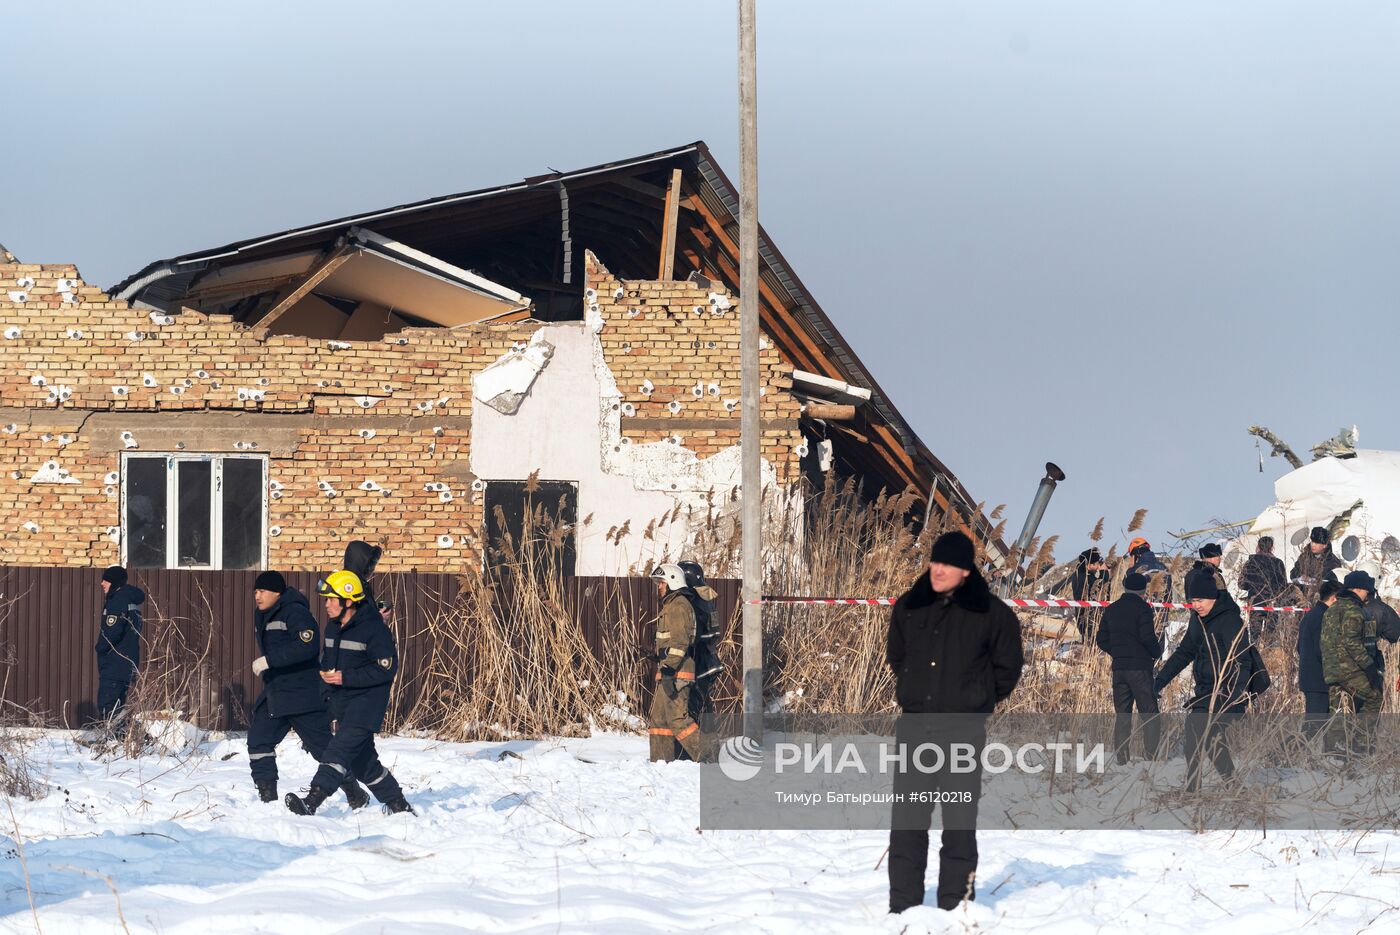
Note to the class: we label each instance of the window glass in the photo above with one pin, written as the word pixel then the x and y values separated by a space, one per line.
pixel 1351 547
pixel 194 495
pixel 144 526
pixel 242 506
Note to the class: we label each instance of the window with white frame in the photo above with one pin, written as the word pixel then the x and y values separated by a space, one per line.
pixel 194 510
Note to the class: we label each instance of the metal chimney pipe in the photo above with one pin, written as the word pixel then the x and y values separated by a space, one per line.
pixel 1053 475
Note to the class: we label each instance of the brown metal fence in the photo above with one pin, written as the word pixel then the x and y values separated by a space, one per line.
pixel 49 622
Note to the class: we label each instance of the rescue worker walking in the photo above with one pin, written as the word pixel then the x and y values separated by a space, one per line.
pixel 118 644
pixel 1128 636
pixel 359 664
pixel 1349 666
pixel 954 649
pixel 293 695
pixel 671 718
pixel 1216 646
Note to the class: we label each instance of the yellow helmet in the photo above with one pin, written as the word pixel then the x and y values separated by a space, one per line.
pixel 345 585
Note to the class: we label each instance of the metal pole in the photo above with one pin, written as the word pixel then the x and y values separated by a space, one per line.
pixel 1053 475
pixel 750 433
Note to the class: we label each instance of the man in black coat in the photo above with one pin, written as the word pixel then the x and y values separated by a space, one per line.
pixel 1310 681
pixel 118 642
pixel 359 664
pixel 1087 582
pixel 293 695
pixel 954 648
pixel 1128 636
pixel 1263 578
pixel 1216 646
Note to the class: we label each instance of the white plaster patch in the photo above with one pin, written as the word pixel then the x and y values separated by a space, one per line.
pixel 114 533
pixel 505 383
pixel 25 282
pixel 18 297
pixel 60 393
pixel 365 402
pixel 136 335
pixel 372 486
pixel 110 477
pixel 339 345
pixel 120 391
pixel 39 380
pixel 275 531
pixel 245 446
pixel 647 388
pixel 13 332
pixel 444 541
pixel 149 380
pixel 160 318
pixel 201 374
pixel 52 473
pixel 30 526
pixel 719 304
pixel 128 440
pixel 366 434
pixel 248 394
pixel 65 285
pixel 326 488
pixel 10 429
pixel 75 334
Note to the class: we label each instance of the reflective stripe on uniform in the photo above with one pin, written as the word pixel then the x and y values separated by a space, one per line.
pixel 383 775
pixel 662 731
pixel 353 645
pixel 276 625
pixel 679 676
pixel 259 756
pixel 688 731
pixel 338 768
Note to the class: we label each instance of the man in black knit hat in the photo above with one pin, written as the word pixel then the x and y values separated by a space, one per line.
pixel 955 649
pixel 292 697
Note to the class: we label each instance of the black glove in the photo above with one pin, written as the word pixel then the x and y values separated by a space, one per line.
pixel 668 685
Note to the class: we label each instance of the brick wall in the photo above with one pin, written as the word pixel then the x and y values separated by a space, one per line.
pixel 78 372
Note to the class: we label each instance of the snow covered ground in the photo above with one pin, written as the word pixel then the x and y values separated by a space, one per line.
pixel 586 836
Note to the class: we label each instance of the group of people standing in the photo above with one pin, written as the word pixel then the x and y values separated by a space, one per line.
pixel 1340 666
pixel 333 693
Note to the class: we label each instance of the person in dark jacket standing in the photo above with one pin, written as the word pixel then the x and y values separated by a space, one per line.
pixel 1264 580
pixel 1310 680
pixel 1129 637
pixel 954 648
pixel 1314 563
pixel 1087 582
pixel 118 642
pixel 359 664
pixel 293 695
pixel 1216 646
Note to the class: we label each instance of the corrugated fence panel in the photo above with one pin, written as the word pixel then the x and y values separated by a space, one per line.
pixel 49 621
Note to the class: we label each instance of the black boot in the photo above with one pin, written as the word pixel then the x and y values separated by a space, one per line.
pixel 267 789
pixel 398 804
pixel 355 794
pixel 307 804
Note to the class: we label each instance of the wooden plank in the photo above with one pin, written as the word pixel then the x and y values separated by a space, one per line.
pixel 832 412
pixel 332 263
pixel 668 227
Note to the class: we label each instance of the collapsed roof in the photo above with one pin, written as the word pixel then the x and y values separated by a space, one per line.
pixel 505 253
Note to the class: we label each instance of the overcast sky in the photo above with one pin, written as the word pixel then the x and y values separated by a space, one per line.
pixel 1109 235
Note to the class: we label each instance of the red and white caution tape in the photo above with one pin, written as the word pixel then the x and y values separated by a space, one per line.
pixel 1014 602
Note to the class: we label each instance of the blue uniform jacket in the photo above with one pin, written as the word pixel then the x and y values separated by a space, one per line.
pixel 364 652
pixel 119 634
pixel 291 641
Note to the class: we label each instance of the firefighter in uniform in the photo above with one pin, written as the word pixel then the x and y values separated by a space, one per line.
pixel 293 695
pixel 359 664
pixel 671 720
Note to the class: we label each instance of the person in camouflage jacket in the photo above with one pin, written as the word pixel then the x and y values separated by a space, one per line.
pixel 1349 664
pixel 1348 641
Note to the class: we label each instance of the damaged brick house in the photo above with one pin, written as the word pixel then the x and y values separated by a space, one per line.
pixel 400 373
